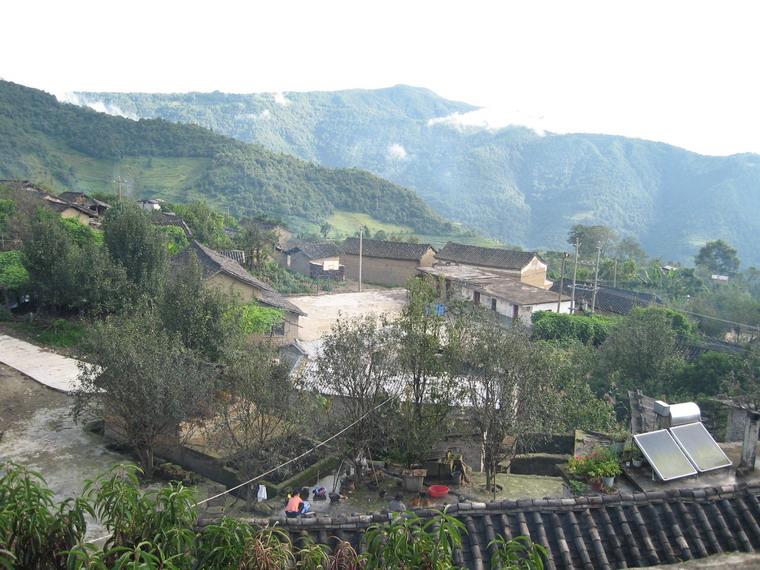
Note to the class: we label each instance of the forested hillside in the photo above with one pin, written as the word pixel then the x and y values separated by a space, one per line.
pixel 68 147
pixel 512 184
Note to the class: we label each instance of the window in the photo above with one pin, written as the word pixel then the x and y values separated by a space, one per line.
pixel 493 304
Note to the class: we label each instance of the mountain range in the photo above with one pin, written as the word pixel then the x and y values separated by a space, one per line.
pixel 69 147
pixel 512 184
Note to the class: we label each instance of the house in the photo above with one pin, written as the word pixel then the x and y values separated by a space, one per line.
pixel 151 204
pixel 509 298
pixel 284 235
pixel 609 300
pixel 160 218
pixel 230 275
pixel 524 266
pixel 385 262
pixel 71 210
pixel 315 260
pixel 82 199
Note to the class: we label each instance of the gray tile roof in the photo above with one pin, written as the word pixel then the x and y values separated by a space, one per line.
pixel 485 256
pixel 315 250
pixel 599 531
pixel 386 249
pixel 213 263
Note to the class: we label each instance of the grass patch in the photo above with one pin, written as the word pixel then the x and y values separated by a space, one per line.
pixel 347 224
pixel 60 332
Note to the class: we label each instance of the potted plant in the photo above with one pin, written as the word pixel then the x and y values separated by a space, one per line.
pixel 637 458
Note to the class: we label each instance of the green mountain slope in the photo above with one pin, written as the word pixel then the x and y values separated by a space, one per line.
pixel 512 184
pixel 71 147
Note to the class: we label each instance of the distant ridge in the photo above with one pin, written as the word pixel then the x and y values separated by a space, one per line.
pixel 513 184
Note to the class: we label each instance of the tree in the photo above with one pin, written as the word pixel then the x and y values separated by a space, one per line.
pixel 628 249
pixel 423 370
pixel 207 319
pixel 259 413
pixel 641 350
pixel 717 257
pixel 357 364
pixel 511 387
pixel 591 237
pixel 258 243
pixel 324 229
pixel 142 380
pixel 138 246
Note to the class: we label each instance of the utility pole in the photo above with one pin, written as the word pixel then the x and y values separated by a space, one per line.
pixel 565 255
pixel 596 277
pixel 361 244
pixel 614 275
pixel 575 274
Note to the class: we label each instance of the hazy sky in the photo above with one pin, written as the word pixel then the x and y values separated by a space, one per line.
pixel 682 72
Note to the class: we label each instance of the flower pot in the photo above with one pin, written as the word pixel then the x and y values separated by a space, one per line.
pixel 608 481
pixel 637 462
pixel 596 483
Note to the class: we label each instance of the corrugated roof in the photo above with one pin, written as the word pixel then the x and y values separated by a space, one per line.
pixel 213 263
pixel 494 284
pixel 486 256
pixel 608 299
pixel 386 249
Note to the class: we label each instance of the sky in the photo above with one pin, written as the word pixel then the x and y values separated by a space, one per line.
pixel 680 72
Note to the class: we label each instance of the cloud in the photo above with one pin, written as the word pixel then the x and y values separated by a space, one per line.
pixel 99 106
pixel 491 119
pixel 397 152
pixel 265 114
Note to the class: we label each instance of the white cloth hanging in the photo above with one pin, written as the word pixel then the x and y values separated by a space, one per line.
pixel 262 494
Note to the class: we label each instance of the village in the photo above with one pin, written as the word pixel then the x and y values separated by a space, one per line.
pixel 387 393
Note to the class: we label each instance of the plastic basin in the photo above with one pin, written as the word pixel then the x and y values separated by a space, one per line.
pixel 438 491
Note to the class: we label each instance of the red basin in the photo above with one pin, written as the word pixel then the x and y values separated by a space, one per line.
pixel 438 491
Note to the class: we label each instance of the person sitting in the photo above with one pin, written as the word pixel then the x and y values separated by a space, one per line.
pixel 294 506
pixel 397 504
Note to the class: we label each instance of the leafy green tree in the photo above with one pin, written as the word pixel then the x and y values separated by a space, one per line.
pixel 511 385
pixel 143 380
pixel 259 415
pixel 258 243
pixel 423 371
pixel 591 237
pixel 628 249
pixel 564 328
pixel 717 257
pixel 641 350
pixel 207 319
pixel 13 274
pixel 138 246
pixel 358 364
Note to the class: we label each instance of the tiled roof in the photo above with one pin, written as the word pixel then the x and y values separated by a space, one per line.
pixel 316 250
pixel 171 219
pixel 608 299
pixel 485 256
pixel 83 198
pixel 599 531
pixel 213 263
pixel 386 249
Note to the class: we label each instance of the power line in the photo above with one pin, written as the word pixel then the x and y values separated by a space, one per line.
pixel 288 462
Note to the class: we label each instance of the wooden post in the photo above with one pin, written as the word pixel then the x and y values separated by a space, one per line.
pixel 749 447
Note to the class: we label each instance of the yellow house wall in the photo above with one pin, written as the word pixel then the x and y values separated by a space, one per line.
pixel 379 270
